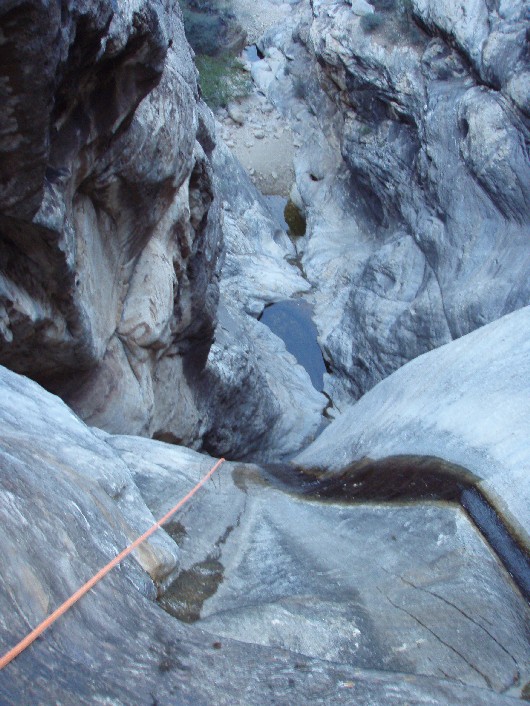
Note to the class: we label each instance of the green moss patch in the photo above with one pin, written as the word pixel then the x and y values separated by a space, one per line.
pixel 222 79
pixel 295 219
pixel 185 596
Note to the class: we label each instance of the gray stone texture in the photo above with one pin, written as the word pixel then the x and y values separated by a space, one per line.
pixel 467 402
pixel 72 497
pixel 112 229
pixel 256 401
pixel 114 201
pixel 108 240
pixel 413 169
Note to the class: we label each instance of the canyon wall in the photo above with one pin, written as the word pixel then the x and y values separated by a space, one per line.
pixel 413 171
pixel 108 235
pixel 135 259
pixel 111 233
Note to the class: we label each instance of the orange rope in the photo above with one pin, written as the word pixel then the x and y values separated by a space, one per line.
pixel 34 634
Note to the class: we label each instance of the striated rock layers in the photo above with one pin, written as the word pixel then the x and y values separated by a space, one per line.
pixel 108 237
pixel 413 120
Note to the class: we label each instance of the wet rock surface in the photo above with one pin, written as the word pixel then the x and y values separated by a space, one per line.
pixel 71 497
pixel 258 403
pixel 354 576
pixel 466 402
pixel 384 591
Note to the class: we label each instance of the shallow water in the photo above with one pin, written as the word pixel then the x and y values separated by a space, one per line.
pixel 411 479
pixel 514 557
pixel 291 320
pixel 361 567
pixel 186 595
pixel 395 479
pixel 287 216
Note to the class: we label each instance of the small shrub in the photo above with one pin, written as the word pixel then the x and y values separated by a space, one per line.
pixel 294 219
pixel 369 23
pixel 222 79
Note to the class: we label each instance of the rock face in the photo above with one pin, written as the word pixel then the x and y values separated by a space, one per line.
pixel 384 593
pixel 467 402
pixel 413 170
pixel 309 625
pixel 67 505
pixel 61 474
pixel 111 235
pixel 211 29
pixel 108 238
pixel 256 401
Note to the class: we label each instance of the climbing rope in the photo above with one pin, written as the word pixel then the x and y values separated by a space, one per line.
pixel 34 634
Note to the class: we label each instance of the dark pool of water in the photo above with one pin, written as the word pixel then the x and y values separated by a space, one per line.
pixel 192 587
pixel 514 557
pixel 292 321
pixel 396 479
pixel 393 479
pixel 287 216
pixel 405 479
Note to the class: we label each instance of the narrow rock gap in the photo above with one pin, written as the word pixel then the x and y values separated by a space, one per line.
pixel 315 581
pixel 291 320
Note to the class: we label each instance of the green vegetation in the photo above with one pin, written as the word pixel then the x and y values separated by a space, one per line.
pixel 294 219
pixel 216 38
pixel 222 79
